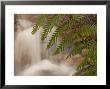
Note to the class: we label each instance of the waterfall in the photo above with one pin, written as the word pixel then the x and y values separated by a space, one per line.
pixel 27 47
pixel 28 54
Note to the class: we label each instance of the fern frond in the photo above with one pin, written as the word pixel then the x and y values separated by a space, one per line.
pixel 86 19
pixel 65 41
pixel 40 19
pixel 75 50
pixel 87 30
pixel 90 60
pixel 83 64
pixel 80 33
pixel 55 35
pixel 66 25
pixel 50 24
pixel 92 53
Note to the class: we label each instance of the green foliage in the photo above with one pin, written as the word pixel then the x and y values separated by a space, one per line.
pixel 50 23
pixel 77 29
pixel 90 62
pixel 39 22
pixel 80 33
pixel 67 25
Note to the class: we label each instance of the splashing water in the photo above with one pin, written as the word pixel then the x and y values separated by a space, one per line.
pixel 47 68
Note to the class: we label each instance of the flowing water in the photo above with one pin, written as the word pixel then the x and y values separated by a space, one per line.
pixel 31 57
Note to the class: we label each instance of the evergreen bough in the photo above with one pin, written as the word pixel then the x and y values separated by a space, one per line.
pixel 77 29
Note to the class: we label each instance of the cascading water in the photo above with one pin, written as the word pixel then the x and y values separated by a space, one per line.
pixel 27 47
pixel 27 57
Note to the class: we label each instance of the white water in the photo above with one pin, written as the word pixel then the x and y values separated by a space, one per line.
pixel 47 68
pixel 28 60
